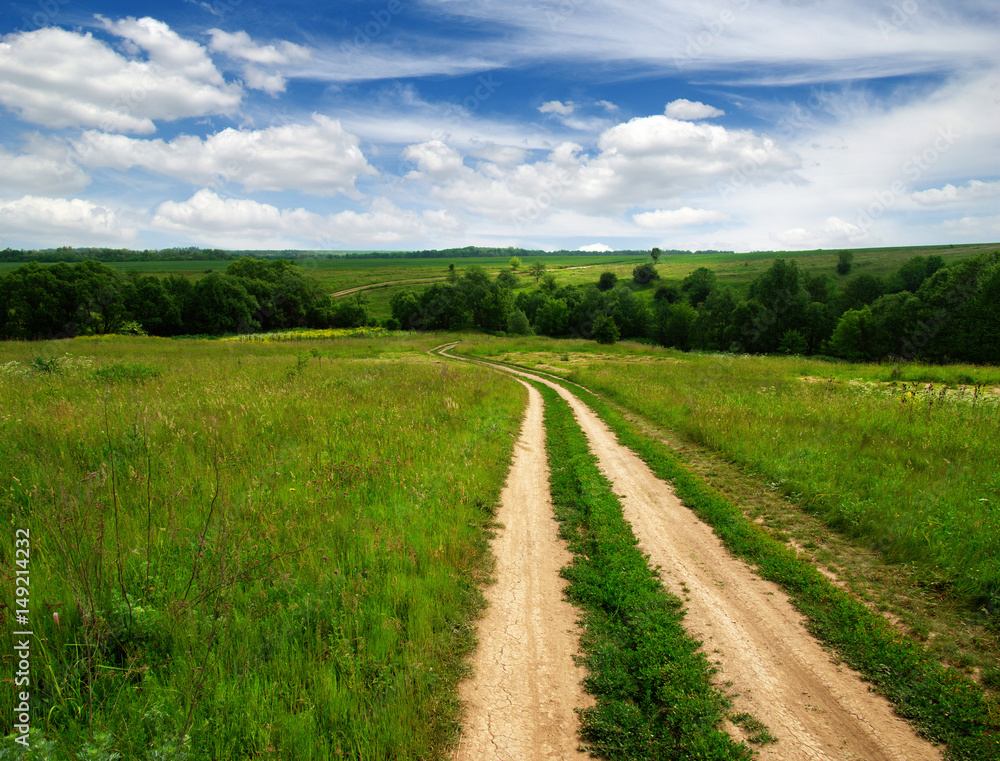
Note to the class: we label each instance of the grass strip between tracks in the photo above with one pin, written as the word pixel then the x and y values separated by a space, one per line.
pixel 945 705
pixel 653 690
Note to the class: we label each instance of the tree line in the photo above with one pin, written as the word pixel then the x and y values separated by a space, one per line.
pixel 64 300
pixel 923 311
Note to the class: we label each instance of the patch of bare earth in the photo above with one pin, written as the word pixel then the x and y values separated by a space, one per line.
pixel 815 707
pixel 525 686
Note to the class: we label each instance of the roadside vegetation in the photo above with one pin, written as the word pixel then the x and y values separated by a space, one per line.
pixel 652 683
pixel 247 550
pixel 943 702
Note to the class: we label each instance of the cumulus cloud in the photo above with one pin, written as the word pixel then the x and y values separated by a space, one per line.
pixel 239 46
pixel 43 169
pixel 61 220
pixel 558 107
pixel 58 78
pixel 597 248
pixel 833 233
pixel 973 190
pixel 665 218
pixel 691 111
pixel 643 161
pixel 434 159
pixel 320 158
pixel 209 216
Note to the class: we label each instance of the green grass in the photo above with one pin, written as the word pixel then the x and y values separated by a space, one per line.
pixel 652 684
pixel 906 470
pixel 253 550
pixel 945 705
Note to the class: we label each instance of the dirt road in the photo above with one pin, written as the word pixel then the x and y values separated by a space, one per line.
pixel 816 708
pixel 525 685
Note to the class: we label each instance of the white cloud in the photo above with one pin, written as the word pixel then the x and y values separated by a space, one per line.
pixel 558 107
pixel 44 168
pixel 62 79
pixel 55 221
pixel 642 161
pixel 597 248
pixel 230 221
pixel 973 190
pixel 239 45
pixel 435 159
pixel 666 218
pixel 320 158
pixel 691 110
pixel 607 105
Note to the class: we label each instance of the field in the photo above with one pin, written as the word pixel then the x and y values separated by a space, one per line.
pixel 276 545
pixel 248 549
pixel 733 270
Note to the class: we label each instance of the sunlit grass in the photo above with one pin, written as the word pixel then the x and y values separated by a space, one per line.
pixel 253 549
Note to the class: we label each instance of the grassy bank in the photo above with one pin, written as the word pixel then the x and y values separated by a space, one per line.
pixel 248 550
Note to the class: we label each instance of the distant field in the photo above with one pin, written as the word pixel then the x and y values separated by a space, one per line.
pixel 733 270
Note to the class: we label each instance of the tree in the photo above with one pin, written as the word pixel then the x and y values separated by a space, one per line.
pixel 607 281
pixel 698 285
pixel 852 336
pixel 668 293
pixel 536 270
pixel 552 318
pixel 507 279
pixel 793 342
pixel 452 275
pixel 515 263
pixel 549 284
pixel 605 329
pixel 844 262
pixel 645 273
pixel 655 253
pixel 517 323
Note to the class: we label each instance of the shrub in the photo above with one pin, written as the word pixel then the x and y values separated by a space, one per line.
pixel 605 330
pixel 607 282
pixel 645 273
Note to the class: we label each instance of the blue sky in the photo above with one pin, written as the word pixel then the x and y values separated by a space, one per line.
pixel 724 124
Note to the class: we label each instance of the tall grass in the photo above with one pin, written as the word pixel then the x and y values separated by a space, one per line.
pixel 909 469
pixel 245 550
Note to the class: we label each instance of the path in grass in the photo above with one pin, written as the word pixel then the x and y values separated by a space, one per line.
pixel 525 686
pixel 815 708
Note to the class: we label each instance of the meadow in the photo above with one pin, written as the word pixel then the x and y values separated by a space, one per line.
pixel 900 457
pixel 257 549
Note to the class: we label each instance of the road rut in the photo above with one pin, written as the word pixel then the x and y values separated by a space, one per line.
pixel 816 708
pixel 520 701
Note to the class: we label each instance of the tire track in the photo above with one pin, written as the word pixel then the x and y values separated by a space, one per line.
pixel 816 708
pixel 525 686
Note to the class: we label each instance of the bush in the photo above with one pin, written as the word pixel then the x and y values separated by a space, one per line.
pixel 607 282
pixel 645 273
pixel 605 330
pixel 668 293
pixel 517 323
pixel 793 342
